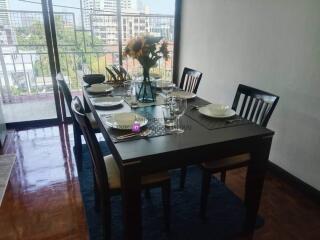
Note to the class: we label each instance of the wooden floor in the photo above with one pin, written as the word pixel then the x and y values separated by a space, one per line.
pixel 43 199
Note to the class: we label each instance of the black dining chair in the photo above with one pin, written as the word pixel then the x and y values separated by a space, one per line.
pixel 107 175
pixel 189 82
pixel 250 103
pixel 76 130
pixel 121 72
pixel 111 75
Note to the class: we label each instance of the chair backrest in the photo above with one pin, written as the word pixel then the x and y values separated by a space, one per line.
pixel 65 91
pixel 190 80
pixel 99 168
pixel 254 104
pixel 111 74
pixel 117 70
pixel 125 73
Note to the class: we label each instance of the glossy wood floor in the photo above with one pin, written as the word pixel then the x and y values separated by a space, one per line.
pixel 43 199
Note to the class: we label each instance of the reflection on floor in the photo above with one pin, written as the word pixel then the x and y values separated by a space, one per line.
pixel 43 200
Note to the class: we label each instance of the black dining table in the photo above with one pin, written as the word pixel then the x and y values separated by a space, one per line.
pixel 139 157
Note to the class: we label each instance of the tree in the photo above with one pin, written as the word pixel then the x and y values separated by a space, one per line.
pixel 73 53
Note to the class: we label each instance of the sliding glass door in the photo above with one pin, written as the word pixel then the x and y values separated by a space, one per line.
pixel 92 34
pixel 76 37
pixel 26 86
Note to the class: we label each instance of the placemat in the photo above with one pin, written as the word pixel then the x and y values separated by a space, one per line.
pixel 160 100
pixel 154 124
pixel 208 122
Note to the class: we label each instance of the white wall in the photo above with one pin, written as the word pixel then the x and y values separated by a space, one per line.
pixel 273 45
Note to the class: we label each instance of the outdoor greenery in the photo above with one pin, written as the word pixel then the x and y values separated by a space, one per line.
pixel 79 53
pixel 76 51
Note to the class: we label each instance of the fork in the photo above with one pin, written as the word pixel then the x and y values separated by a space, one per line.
pixel 195 107
pixel 130 135
pixel 233 120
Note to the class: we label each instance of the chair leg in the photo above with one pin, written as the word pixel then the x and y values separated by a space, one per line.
pixel 223 176
pixel 206 178
pixel 78 147
pixel 97 201
pixel 105 215
pixel 183 174
pixel 147 193
pixel 165 188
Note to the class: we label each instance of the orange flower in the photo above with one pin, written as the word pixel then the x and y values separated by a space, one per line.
pixel 147 50
pixel 164 50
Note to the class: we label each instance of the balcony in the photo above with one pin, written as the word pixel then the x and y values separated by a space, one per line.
pixel 25 80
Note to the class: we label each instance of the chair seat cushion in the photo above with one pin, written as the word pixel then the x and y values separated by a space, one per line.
pixel 226 163
pixel 92 120
pixel 114 175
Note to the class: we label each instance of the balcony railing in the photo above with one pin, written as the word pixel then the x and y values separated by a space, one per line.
pixel 24 65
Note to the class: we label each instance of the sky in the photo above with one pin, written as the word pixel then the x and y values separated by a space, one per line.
pixel 160 6
pixel 156 6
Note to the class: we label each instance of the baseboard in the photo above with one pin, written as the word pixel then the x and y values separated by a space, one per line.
pixel 35 124
pixel 296 182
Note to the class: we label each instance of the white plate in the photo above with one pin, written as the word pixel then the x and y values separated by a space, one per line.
pixel 212 110
pixel 183 94
pixel 99 88
pixel 107 101
pixel 164 83
pixel 124 121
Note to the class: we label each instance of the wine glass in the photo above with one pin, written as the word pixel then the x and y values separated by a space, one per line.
pixel 179 108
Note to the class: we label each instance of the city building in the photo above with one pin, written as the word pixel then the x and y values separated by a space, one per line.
pixel 4 16
pixel 100 17
pixel 105 26
pixel 106 6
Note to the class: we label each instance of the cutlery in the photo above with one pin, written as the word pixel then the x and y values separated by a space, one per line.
pixel 195 107
pixel 130 135
pixel 100 95
pixel 233 120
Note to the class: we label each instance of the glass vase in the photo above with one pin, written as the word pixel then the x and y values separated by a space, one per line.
pixel 146 89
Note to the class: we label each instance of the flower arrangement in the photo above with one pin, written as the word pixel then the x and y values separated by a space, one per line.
pixel 147 50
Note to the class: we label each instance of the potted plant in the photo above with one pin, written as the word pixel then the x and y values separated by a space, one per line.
pixel 147 50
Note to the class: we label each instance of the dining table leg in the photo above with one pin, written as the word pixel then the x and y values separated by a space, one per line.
pixel 254 183
pixel 131 198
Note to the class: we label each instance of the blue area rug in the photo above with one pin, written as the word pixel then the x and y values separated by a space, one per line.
pixel 225 210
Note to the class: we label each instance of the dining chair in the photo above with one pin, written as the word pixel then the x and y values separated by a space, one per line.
pixel 125 73
pixel 254 105
pixel 107 175
pixel 121 72
pixel 76 130
pixel 189 82
pixel 112 77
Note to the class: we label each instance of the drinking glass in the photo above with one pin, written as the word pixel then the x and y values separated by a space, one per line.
pixel 168 116
pixel 179 108
pixel 166 88
pixel 130 93
pixel 127 88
